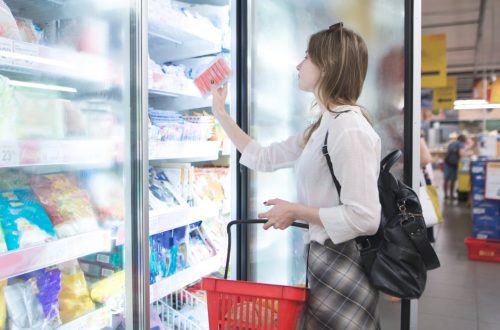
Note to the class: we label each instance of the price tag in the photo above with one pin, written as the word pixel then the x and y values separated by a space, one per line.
pixel 5 51
pixel 9 154
pixel 26 53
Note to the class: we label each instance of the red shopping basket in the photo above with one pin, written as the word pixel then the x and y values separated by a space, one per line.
pixel 483 249
pixel 238 305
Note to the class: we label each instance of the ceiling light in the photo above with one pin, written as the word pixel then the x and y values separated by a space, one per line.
pixel 477 106
pixel 470 102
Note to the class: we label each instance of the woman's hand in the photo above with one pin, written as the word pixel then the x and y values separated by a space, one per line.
pixel 219 100
pixel 280 216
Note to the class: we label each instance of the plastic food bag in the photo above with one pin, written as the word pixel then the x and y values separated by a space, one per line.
pixel 68 206
pixel 107 190
pixel 24 310
pixel 48 285
pixel 112 287
pixel 28 31
pixel 3 308
pixel 74 297
pixel 8 27
pixel 24 220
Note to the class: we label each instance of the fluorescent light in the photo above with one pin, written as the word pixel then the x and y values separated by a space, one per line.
pixel 16 83
pixel 36 59
pixel 477 106
pixel 470 102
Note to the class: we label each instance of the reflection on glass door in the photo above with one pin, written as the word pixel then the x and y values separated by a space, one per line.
pixel 279 32
pixel 64 109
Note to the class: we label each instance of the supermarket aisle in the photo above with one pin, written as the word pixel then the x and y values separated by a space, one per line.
pixel 461 295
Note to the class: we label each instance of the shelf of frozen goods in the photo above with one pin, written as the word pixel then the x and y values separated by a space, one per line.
pixel 186 151
pixel 174 35
pixel 56 152
pixel 98 319
pixel 25 260
pixel 183 278
pixel 175 218
pixel 33 63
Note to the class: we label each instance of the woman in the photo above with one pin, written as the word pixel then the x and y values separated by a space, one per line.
pixel 334 69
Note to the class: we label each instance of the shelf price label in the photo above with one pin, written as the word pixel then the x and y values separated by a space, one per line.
pixel 9 154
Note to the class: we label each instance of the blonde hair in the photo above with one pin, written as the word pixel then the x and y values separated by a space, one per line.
pixel 342 56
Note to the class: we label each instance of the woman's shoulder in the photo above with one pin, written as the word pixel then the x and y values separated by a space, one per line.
pixel 350 119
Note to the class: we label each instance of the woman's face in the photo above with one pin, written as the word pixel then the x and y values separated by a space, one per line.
pixel 309 74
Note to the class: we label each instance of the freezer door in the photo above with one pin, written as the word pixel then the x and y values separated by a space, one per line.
pixel 278 33
pixel 66 184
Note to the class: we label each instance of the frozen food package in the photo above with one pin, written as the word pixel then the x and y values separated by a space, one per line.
pixel 74 297
pixel 107 193
pixel 68 206
pixel 23 219
pixel 8 26
pixel 39 118
pixel 7 110
pixel 110 288
pixel 3 308
pixel 217 73
pixel 48 284
pixel 24 310
pixel 13 179
pixel 28 31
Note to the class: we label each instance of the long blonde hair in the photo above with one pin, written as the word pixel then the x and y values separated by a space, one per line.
pixel 342 56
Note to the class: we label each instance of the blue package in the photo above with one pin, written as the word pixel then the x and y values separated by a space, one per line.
pixel 24 221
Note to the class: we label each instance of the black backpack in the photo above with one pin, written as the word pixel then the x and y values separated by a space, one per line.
pixel 397 257
pixel 452 156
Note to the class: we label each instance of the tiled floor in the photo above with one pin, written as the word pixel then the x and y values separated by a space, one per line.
pixel 461 294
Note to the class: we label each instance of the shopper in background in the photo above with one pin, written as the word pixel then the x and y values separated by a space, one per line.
pixel 334 69
pixel 455 151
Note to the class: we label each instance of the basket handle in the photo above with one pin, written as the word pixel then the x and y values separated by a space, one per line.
pixel 249 221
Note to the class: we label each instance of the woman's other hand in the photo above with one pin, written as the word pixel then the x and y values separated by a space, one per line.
pixel 280 216
pixel 219 100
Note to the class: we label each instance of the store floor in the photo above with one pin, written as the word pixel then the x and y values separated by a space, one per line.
pixel 461 294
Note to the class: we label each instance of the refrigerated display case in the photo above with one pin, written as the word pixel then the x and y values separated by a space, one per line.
pixel 190 193
pixel 65 178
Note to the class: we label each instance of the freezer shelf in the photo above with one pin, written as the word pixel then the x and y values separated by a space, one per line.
pixel 30 60
pixel 176 218
pixel 175 36
pixel 56 152
pixel 187 151
pixel 26 260
pixel 184 278
pixel 98 319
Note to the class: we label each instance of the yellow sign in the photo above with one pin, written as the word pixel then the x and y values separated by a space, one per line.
pixel 444 97
pixel 495 91
pixel 434 60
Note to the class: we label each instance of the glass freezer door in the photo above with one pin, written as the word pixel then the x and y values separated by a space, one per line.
pixel 278 35
pixel 65 164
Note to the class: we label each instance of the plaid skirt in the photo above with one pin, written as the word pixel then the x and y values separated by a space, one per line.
pixel 340 295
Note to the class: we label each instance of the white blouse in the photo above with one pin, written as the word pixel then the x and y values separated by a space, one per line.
pixel 354 148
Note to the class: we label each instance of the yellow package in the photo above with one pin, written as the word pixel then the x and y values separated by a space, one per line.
pixel 110 287
pixel 3 309
pixel 74 297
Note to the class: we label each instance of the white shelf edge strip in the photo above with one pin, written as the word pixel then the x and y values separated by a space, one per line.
pixel 160 223
pixel 100 318
pixel 21 261
pixel 184 278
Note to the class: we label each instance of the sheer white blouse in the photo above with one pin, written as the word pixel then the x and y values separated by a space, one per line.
pixel 354 148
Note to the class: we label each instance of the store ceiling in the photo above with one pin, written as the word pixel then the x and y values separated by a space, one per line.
pixel 472 29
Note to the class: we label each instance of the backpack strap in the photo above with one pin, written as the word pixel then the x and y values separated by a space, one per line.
pixel 418 235
pixel 329 162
